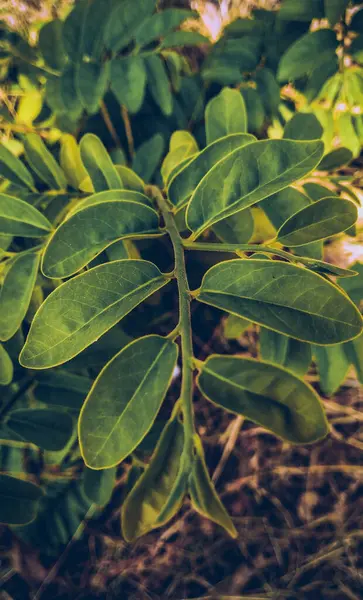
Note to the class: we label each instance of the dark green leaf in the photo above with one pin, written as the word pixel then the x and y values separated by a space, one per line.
pixel 98 485
pixel 283 297
pixel 124 400
pixel 148 157
pixel 161 23
pixel 306 54
pixel 124 21
pixel 128 81
pixel 354 287
pixel 51 44
pixel 18 500
pixel 225 114
pixel 16 292
pixel 285 351
pixel 335 9
pixel 61 388
pixel 332 366
pixel 255 109
pixel 267 395
pixel 295 10
pixel 158 83
pixel 73 29
pixel 268 167
pixel 354 352
pixel 14 170
pixel 269 90
pixel 50 429
pixel 21 219
pixel 303 126
pixel 92 81
pixel 88 231
pixel 335 159
pixel 356 23
pixel 318 221
pixel 183 184
pixel 315 191
pixel 152 491
pixel 98 164
pixel 177 39
pixel 43 163
pixel 94 301
pixel 6 367
pixel 204 497
pixel 236 229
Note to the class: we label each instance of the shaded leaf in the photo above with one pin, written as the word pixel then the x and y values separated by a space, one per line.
pixel 161 23
pixel 335 159
pixel 60 388
pixel 204 497
pixel 285 351
pixel 151 492
pixel 98 485
pixel 158 83
pixel 14 170
pixel 128 81
pixel 92 81
pixel 124 400
pixel 51 44
pixel 94 302
pixel 6 367
pixel 124 21
pixel 21 219
pixel 148 157
pixel 306 54
pixel 303 126
pixel 332 366
pixel 334 10
pixel 283 297
pixel 267 395
pixel 50 429
pixel 43 163
pixel 183 38
pixel 354 287
pixel 16 292
pixel 18 500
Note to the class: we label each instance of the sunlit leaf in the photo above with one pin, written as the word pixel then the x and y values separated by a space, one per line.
pixel 71 162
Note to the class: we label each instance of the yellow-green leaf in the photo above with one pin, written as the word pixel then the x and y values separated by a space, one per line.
pixel 225 114
pixel 6 367
pixel 98 164
pixel 43 162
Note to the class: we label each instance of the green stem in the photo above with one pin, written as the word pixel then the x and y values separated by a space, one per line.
pixel 234 248
pixel 186 394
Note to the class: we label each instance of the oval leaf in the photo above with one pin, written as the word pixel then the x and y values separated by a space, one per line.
pixel 248 175
pixel 158 83
pixel 148 497
pixel 225 114
pixel 16 292
pixel 267 395
pixel 318 221
pixel 161 23
pixel 183 184
pixel 91 81
pixel 283 297
pixel 112 196
pixel 307 53
pixel 21 219
pixel 98 164
pixel 124 401
pixel 90 230
pixel 98 485
pixel 204 497
pixel 128 81
pixel 14 170
pixel 43 162
pixel 285 351
pixel 71 162
pixel 6 367
pixel 79 311
pixel 50 429
pixel 18 500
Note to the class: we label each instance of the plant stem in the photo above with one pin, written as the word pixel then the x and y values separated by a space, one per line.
pixel 186 394
pixel 107 119
pixel 128 131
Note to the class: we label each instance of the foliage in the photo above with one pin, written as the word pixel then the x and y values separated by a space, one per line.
pixel 87 226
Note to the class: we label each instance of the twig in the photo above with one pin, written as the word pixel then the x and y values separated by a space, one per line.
pixel 107 119
pixel 228 448
pixel 128 131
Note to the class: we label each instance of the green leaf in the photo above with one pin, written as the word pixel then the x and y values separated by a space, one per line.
pixel 152 491
pixel 94 28
pixel 332 366
pixel 334 10
pixel 318 221
pixel 16 292
pixel 130 180
pixel 315 191
pixel 71 162
pixel 306 54
pixel 268 167
pixel 61 388
pixel 269 90
pixel 14 170
pixel 295 10
pixel 124 401
pixel 6 367
pixel 43 163
pixel 94 301
pixel 356 23
pixel 161 23
pixel 148 157
pixel 48 428
pixel 158 83
pixel 98 164
pixel 73 29
pixel 18 500
pixel 354 352
pixel 267 395
pixel 128 81
pixel 21 219
pixel 335 159
pixel 124 21
pixel 285 351
pixel 51 45
pixel 225 114
pixel 303 126
pixel 98 485
pixel 183 184
pixel 177 39
pixel 236 229
pixel 354 287
pixel 204 497
pixel 112 196
pixel 91 83
pixel 88 231
pixel 283 297
pixel 234 327
pixel 182 148
pixel 255 109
